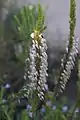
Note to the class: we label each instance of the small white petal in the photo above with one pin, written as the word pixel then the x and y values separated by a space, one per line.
pixel 32 35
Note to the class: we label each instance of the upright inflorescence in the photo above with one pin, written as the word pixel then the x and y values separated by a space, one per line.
pixel 70 63
pixel 69 58
pixel 38 65
pixel 24 92
pixel 32 72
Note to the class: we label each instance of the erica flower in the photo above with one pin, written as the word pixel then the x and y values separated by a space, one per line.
pixel 77 110
pixel 43 110
pixel 38 65
pixel 68 66
pixel 48 103
pixel 29 107
pixel 7 86
pixel 65 108
pixel 37 71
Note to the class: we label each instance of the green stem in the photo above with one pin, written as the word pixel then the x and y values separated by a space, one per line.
pixel 8 117
pixel 72 22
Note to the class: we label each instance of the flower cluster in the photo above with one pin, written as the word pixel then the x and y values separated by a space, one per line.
pixel 38 66
pixel 32 72
pixel 24 92
pixel 43 69
pixel 70 62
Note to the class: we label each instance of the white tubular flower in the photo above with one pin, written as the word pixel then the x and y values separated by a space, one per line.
pixel 38 66
pixel 37 72
pixel 32 35
pixel 67 43
pixel 65 75
pixel 33 73
pixel 43 68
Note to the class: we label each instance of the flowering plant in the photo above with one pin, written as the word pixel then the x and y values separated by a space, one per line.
pixel 41 103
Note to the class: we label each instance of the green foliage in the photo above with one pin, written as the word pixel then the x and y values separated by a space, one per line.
pixel 40 27
pixel 24 115
pixel 54 114
pixel 26 21
pixel 4 108
pixel 1 31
